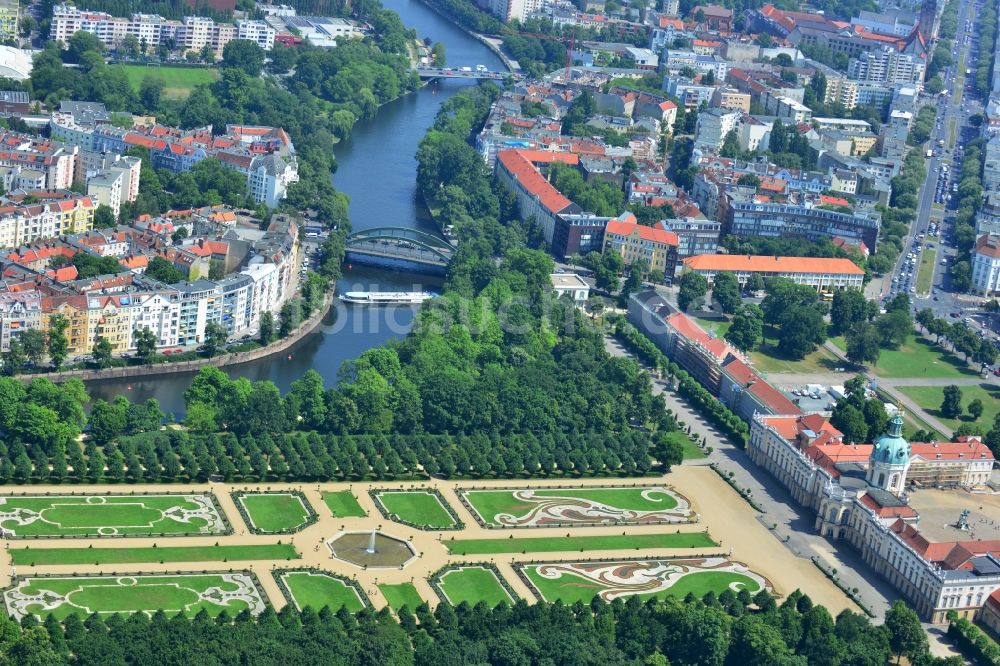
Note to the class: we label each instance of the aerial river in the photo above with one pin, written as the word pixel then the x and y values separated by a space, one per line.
pixel 377 169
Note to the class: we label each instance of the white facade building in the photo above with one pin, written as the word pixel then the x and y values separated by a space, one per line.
pixel 257 32
pixel 986 265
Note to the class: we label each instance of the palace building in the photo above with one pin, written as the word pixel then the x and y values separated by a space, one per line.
pixel 858 492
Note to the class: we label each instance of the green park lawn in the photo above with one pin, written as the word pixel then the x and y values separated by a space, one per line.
pixel 473 584
pixel 717 326
pixel 691 450
pixel 343 504
pixel 917 357
pixel 579 543
pixel 110 515
pixel 926 272
pixel 570 588
pixel 417 507
pixel 130 594
pixel 768 358
pixel 319 590
pixel 930 398
pixel 275 512
pixel 179 81
pixel 403 594
pixel 53 556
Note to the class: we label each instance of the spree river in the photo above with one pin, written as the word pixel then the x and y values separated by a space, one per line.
pixel 377 169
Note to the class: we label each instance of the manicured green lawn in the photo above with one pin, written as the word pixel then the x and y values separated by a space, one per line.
pixel 491 503
pixel 319 590
pixel 691 450
pixel 401 595
pixel 931 397
pixel 417 507
pixel 579 543
pixel 110 515
pixel 343 504
pixel 275 512
pixel 180 81
pixel 473 584
pixel 917 357
pixel 572 588
pixel 129 594
pixel 718 326
pixel 926 272
pixel 50 556
pixel 768 358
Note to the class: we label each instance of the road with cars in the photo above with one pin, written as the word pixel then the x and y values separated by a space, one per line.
pixel 938 201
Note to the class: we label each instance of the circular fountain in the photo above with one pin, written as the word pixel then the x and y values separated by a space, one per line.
pixel 371 549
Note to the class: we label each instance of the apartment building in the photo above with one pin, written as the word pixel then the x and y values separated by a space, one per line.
pixel 635 242
pixel 694 235
pixel 258 32
pixel 192 33
pixel 9 18
pixel 56 213
pixel 886 66
pixel 265 155
pixel 55 160
pixel 986 265
pixel 116 183
pixel 821 274
pixel 772 220
pixel 714 125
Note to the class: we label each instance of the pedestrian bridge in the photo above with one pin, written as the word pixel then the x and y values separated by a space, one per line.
pixel 400 246
pixel 448 73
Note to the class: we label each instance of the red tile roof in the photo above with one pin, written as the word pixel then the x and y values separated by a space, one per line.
pixel 628 228
pixel 765 264
pixel 769 396
pixel 519 163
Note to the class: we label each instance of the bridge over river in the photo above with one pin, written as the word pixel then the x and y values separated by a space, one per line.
pixel 400 246
pixel 448 73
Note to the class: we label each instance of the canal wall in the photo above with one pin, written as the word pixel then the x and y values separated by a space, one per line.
pixel 168 368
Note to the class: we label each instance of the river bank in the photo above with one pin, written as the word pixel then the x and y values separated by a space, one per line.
pixel 487 41
pixel 169 368
pixel 376 166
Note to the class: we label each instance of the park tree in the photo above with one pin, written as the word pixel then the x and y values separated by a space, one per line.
pixel 975 409
pixel 164 271
pixel 747 329
pixel 108 420
pixel 894 327
pixel 693 287
pixel 102 352
pixel 33 343
pixel 951 405
pixel 58 345
pixel 215 338
pixel 849 307
pixel 906 635
pixel 267 333
pixel 802 330
pixel 876 418
pixel 850 420
pixel 782 294
pixel 14 358
pixel 863 344
pixel 726 292
pixel 244 55
pixel 104 217
pixel 145 344
pixel 151 92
